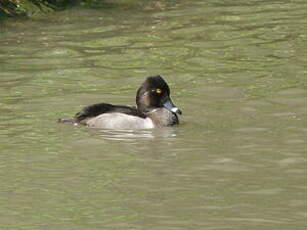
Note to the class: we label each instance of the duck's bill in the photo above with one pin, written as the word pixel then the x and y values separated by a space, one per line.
pixel 168 104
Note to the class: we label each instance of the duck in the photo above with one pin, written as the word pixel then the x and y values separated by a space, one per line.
pixel 154 109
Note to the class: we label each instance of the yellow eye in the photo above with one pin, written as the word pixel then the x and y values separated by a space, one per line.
pixel 158 91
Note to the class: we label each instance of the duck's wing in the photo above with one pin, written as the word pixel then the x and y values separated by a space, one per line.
pixel 97 109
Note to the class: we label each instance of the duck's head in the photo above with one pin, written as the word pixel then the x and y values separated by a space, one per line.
pixel 155 93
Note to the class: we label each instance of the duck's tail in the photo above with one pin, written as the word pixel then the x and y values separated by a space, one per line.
pixel 67 120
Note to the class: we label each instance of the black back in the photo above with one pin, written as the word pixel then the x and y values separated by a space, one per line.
pixel 97 109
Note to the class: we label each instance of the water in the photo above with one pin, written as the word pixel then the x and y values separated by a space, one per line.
pixel 238 160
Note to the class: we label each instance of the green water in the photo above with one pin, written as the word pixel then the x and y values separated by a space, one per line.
pixel 238 160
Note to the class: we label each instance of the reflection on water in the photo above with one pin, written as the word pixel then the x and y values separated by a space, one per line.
pixel 135 135
pixel 237 160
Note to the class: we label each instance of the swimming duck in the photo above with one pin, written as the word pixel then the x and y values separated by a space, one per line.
pixel 154 109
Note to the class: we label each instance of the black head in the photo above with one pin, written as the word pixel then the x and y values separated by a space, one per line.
pixel 155 93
